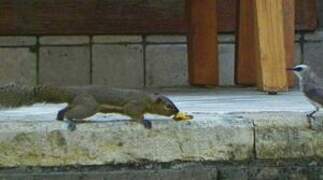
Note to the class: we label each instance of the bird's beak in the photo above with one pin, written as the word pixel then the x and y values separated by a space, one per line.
pixel 290 69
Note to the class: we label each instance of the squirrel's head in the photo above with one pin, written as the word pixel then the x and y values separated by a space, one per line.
pixel 163 106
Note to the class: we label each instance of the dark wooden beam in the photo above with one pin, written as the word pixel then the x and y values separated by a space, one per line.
pixel 202 42
pixel 50 17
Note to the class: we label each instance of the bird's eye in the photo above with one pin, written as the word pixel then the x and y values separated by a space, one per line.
pixel 298 69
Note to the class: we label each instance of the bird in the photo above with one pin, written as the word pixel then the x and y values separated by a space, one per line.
pixel 311 85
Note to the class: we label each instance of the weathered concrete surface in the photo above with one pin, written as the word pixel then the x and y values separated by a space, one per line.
pixel 284 135
pixel 228 125
pixel 51 144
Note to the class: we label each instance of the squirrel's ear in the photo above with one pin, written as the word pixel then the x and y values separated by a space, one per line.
pixel 157 98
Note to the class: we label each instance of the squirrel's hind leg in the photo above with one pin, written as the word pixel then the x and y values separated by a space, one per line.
pixel 83 106
pixel 136 111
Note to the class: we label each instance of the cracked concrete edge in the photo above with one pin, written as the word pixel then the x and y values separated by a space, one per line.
pixel 229 137
pixel 286 135
pixel 101 143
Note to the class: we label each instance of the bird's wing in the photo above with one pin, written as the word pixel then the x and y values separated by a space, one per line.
pixel 315 94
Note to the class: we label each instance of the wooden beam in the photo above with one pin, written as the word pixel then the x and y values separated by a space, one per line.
pixel 202 42
pixel 57 17
pixel 289 33
pixel 270 45
pixel 246 45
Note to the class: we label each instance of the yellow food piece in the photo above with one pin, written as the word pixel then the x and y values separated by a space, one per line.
pixel 182 116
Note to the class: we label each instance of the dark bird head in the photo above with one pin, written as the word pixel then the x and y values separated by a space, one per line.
pixel 163 106
pixel 299 70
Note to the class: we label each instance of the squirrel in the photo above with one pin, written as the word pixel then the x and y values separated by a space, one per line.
pixel 85 101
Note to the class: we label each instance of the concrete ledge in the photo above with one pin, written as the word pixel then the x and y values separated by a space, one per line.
pixel 43 143
pixel 239 132
pixel 104 141
pixel 287 136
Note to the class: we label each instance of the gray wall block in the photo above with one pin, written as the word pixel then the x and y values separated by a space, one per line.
pixel 320 13
pixel 17 64
pixel 18 40
pixel 64 65
pixel 166 39
pixel 166 65
pixel 314 36
pixel 226 38
pixel 118 65
pixel 226 64
pixel 298 54
pixel 117 39
pixel 64 40
pixel 313 53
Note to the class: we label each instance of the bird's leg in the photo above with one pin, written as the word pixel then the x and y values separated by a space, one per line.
pixel 310 115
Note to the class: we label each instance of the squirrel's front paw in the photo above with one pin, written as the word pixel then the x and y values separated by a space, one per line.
pixel 147 124
pixel 61 114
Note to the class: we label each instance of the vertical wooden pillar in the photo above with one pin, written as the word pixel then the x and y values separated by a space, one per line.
pixel 252 34
pixel 270 45
pixel 245 45
pixel 202 42
pixel 289 28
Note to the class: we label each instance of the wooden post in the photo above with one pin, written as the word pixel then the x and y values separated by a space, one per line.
pixel 245 45
pixel 289 29
pixel 259 42
pixel 246 72
pixel 202 42
pixel 270 45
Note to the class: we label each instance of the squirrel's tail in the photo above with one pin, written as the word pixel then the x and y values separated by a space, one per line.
pixel 16 94
pixel 52 94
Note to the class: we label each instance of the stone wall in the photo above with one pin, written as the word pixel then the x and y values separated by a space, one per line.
pixel 124 61
pixel 128 61
pixel 119 61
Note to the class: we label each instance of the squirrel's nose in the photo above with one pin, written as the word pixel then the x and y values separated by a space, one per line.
pixel 176 110
pixel 290 69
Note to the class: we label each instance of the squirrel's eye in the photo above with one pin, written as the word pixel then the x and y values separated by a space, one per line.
pixel 169 106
